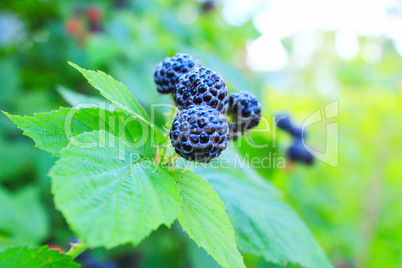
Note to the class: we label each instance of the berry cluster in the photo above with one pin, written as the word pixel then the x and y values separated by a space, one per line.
pixel 200 131
pixel 297 152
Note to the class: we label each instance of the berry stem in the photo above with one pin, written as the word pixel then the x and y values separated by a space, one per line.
pixel 76 250
pixel 165 144
pixel 171 159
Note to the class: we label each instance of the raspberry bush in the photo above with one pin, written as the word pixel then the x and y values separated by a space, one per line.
pixel 119 176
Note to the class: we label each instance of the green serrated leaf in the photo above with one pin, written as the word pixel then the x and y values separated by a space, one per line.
pixel 53 131
pixel 114 91
pixel 260 146
pixel 23 219
pixel 265 226
pixel 84 101
pixel 119 95
pixel 112 195
pixel 38 257
pixel 203 217
pixel 199 258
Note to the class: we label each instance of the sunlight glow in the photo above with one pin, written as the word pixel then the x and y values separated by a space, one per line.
pixel 282 18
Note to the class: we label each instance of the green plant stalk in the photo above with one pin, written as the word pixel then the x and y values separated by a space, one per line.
pixel 76 250
pixel 172 158
pixel 165 142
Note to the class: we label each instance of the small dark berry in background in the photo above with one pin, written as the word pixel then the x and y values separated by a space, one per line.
pixel 207 6
pixel 199 133
pixel 201 86
pixel 170 69
pixel 120 4
pixel 298 153
pixel 283 122
pixel 95 27
pixel 297 132
pixel 245 109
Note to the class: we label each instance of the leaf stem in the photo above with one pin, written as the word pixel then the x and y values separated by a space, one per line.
pixel 76 250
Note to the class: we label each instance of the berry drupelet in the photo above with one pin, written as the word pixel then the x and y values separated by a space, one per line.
pixel 199 133
pixel 170 69
pixel 245 109
pixel 201 86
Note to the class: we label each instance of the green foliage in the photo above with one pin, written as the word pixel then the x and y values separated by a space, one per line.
pixel 10 82
pixel 18 157
pixel 83 101
pixel 113 191
pixel 52 131
pixel 265 226
pixel 260 146
pixel 112 195
pixel 203 217
pixel 114 91
pixel 339 203
pixel 346 207
pixel 23 218
pixel 118 94
pixel 199 258
pixel 39 257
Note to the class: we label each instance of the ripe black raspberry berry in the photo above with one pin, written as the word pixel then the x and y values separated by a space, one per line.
pixel 201 86
pixel 298 153
pixel 170 69
pixel 199 133
pixel 245 109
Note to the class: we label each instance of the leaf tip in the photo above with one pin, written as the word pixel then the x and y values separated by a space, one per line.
pixel 75 66
pixel 10 116
pixel 7 114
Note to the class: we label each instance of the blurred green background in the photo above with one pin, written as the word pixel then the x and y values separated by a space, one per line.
pixel 289 62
